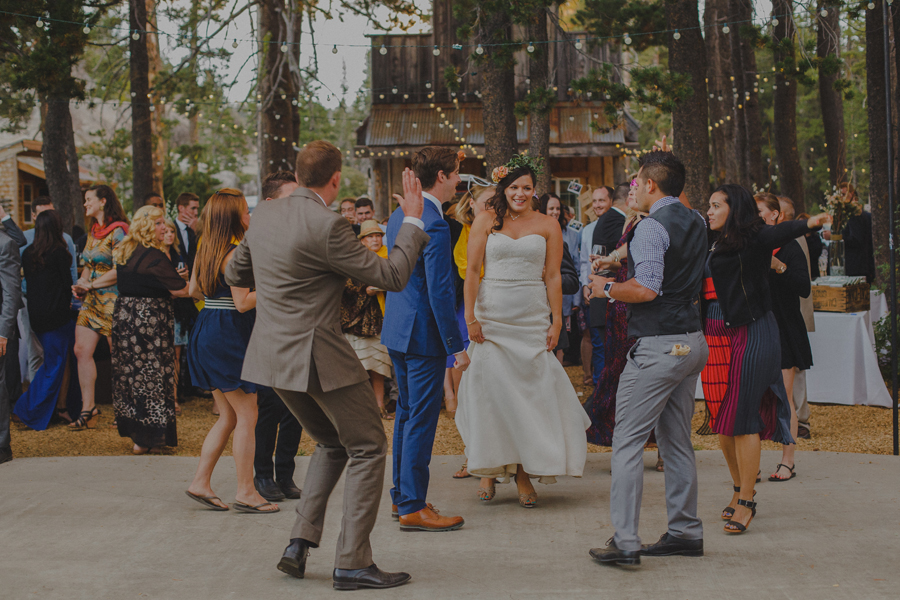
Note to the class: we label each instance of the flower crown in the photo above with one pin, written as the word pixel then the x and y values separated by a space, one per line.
pixel 517 161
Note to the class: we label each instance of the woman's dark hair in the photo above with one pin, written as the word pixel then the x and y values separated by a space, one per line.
pixel 48 236
pixel 112 210
pixel 545 200
pixel 743 220
pixel 498 202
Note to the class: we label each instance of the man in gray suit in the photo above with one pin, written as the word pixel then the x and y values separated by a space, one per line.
pixel 666 257
pixel 11 301
pixel 298 255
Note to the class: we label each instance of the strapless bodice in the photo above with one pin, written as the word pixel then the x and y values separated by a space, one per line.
pixel 509 259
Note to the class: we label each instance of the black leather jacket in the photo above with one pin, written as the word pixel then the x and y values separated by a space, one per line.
pixel 741 278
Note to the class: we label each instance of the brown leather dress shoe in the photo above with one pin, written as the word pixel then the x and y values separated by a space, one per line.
pixel 428 520
pixel 395 513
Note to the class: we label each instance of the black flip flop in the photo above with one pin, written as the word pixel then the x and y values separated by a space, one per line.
pixel 241 507
pixel 778 466
pixel 207 501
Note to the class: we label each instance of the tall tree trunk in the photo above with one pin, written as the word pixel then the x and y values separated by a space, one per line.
pixel 497 89
pixel 828 44
pixel 61 162
pixel 157 136
pixel 722 113
pixel 790 173
pixel 276 135
pixel 194 120
pixel 141 132
pixel 690 118
pixel 539 72
pixel 876 104
pixel 748 141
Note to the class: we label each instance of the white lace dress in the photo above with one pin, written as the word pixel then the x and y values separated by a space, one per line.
pixel 516 403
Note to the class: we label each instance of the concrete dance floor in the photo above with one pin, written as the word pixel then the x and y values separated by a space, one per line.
pixel 121 527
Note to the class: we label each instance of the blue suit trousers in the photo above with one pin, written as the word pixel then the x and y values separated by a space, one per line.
pixel 420 380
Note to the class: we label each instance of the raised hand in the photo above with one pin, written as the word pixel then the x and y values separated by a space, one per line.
pixel 411 201
pixel 819 220
pixel 661 144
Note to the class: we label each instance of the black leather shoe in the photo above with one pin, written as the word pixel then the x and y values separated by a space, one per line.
pixel 293 561
pixel 669 545
pixel 268 489
pixel 5 455
pixel 289 489
pixel 370 577
pixel 612 554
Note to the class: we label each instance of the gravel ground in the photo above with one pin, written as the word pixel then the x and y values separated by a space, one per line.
pixel 860 429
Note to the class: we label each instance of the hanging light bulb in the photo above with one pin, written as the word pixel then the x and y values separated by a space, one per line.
pixel 726 29
pixel 382 51
pixel 436 51
pixel 530 48
pixel 415 125
pixel 578 45
pixel 135 36
pixel 871 5
pixel 479 50
pixel 86 29
pixel 428 85
pixel 774 22
pixel 627 39
pixel 394 90
pixel 39 24
pixel 676 35
pixel 334 49
pixel 824 13
pixel 234 44
pixel 284 47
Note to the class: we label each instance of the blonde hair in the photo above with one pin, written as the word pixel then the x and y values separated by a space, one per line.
pixel 221 224
pixel 464 212
pixel 171 225
pixel 142 231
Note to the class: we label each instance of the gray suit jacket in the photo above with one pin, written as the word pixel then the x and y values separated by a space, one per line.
pixel 298 255
pixel 10 284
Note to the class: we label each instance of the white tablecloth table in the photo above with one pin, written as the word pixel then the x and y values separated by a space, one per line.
pixel 845 370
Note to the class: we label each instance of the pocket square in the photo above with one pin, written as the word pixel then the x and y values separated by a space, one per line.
pixel 680 350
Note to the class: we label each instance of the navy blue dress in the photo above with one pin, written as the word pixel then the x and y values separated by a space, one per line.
pixel 219 341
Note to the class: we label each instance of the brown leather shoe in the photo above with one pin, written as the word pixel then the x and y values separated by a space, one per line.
pixel 395 513
pixel 428 520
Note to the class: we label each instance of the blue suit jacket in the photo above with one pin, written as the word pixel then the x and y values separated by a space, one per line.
pixel 422 318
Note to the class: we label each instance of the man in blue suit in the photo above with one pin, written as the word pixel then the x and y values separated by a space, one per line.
pixel 420 330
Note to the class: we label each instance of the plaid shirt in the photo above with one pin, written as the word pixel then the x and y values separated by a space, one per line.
pixel 648 248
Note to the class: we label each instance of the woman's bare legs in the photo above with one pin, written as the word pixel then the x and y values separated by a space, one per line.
pixel 212 449
pixel 243 446
pixel 523 482
pixel 746 452
pixel 85 344
pixel 450 400
pixel 787 450
pixel 377 381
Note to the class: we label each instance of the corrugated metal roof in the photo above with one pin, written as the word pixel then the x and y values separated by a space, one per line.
pixel 395 126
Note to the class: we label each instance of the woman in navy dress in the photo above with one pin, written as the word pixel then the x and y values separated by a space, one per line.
pixel 216 352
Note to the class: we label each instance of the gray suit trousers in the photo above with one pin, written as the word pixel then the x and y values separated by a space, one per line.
pixel 656 391
pixel 801 402
pixel 347 428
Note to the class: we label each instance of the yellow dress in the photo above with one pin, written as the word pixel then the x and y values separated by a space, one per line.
pixel 97 307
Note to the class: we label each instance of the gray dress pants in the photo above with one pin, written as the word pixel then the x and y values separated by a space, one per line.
pixel 347 428
pixel 656 391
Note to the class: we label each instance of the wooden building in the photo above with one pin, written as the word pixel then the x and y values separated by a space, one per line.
pixel 412 107
pixel 22 179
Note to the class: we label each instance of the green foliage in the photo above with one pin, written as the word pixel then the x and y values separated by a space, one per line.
pixel 538 101
pixel 883 347
pixel 643 20
pixel 113 154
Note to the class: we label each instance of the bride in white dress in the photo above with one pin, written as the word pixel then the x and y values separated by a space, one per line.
pixel 518 412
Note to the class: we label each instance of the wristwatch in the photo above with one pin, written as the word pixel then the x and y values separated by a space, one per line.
pixel 607 288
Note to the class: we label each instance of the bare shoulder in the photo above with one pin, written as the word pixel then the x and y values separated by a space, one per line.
pixel 483 222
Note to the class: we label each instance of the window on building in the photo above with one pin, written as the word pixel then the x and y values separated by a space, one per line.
pixel 27 198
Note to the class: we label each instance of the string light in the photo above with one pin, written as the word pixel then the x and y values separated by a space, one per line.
pixel 334 50
pixel 578 44
pixel 86 29
pixel 234 44
pixel 530 48
pixel 382 51
pixel 726 29
pixel 436 51
pixel 676 35
pixel 627 39
pixel 135 36
pixel 284 47
pixel 479 50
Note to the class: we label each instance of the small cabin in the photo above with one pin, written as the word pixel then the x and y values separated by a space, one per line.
pixel 412 107
pixel 22 179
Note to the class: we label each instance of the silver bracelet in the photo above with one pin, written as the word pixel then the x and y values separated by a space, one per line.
pixel 616 252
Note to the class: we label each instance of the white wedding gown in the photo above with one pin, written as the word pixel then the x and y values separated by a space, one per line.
pixel 516 403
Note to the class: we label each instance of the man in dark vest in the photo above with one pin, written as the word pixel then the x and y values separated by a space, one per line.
pixel 666 257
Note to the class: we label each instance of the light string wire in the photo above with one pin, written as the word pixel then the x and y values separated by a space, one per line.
pixel 285 44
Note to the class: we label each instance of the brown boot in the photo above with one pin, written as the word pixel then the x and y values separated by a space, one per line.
pixel 395 514
pixel 429 520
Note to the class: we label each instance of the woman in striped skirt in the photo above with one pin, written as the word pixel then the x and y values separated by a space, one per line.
pixel 742 381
